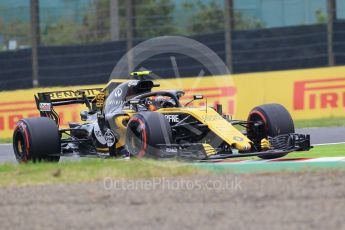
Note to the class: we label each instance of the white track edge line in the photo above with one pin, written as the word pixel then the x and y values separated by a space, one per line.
pixel 337 143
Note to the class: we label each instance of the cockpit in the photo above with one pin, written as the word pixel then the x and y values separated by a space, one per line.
pixel 121 96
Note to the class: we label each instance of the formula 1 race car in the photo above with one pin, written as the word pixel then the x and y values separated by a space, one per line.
pixel 126 118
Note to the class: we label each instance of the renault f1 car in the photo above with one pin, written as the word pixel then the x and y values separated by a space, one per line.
pixel 128 118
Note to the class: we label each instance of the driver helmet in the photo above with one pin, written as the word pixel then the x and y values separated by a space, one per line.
pixel 154 103
pixel 150 104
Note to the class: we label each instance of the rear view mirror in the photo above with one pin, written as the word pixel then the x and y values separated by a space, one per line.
pixel 195 97
pixel 198 97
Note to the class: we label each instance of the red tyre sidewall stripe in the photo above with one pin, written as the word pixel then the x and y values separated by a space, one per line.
pixel 142 124
pixel 261 116
pixel 27 140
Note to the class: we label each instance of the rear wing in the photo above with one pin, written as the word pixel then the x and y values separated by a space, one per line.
pixel 68 96
pixel 46 101
pixel 93 98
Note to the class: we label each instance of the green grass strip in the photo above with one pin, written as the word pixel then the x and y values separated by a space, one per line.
pixel 5 140
pixel 322 122
pixel 336 150
pixel 89 170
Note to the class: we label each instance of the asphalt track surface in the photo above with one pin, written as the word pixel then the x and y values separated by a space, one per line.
pixel 318 136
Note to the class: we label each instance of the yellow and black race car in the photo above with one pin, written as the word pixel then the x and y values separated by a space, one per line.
pixel 127 118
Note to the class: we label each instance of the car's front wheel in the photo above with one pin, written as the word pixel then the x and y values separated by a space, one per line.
pixel 275 120
pixel 146 131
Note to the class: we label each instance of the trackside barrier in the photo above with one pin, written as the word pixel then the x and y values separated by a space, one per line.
pixel 307 94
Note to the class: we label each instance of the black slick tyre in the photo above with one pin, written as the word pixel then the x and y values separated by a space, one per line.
pixel 276 121
pixel 36 139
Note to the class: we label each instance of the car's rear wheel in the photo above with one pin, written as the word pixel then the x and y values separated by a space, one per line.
pixel 145 132
pixel 36 139
pixel 275 119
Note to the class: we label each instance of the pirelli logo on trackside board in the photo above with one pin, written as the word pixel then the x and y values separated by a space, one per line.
pixel 319 94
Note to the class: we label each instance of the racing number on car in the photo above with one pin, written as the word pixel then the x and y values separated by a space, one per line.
pixel 98 134
pixel 100 100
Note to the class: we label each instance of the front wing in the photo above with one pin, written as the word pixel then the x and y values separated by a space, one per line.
pixel 281 144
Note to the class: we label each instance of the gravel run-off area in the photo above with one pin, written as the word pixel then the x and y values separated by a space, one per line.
pixel 280 200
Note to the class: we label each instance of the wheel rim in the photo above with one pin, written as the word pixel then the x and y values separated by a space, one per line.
pixel 21 149
pixel 256 116
pixel 136 137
